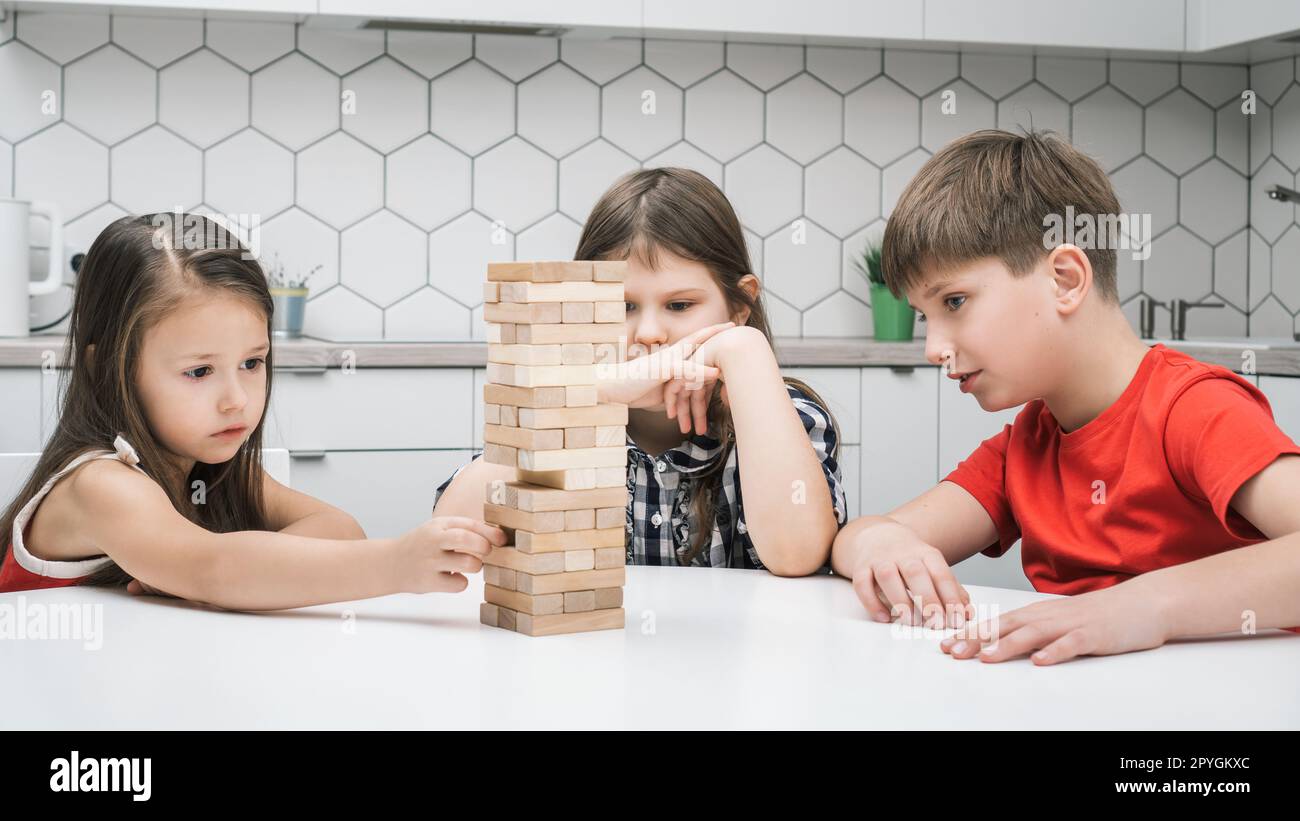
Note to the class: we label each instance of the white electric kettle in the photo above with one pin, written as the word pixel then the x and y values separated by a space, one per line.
pixel 16 284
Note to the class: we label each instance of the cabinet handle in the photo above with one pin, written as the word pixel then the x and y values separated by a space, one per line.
pixel 306 454
pixel 902 368
pixel 303 369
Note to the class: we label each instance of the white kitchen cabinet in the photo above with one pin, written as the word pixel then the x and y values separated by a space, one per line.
pixel 1214 24
pixel 963 424
pixel 886 19
pixel 899 440
pixel 850 462
pixel 387 492
pixel 842 390
pixel 255 6
pixel 371 409
pixel 599 13
pixel 1283 394
pixel 20 412
pixel 1155 25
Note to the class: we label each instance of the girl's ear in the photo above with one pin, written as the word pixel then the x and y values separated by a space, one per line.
pixel 750 284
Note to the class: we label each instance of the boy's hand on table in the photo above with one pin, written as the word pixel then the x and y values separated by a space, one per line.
pixel 1118 619
pixel 894 567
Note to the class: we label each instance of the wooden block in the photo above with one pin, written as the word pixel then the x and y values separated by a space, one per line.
pixel 503 455
pixel 525 438
pixel 579 437
pixel 608 436
pixel 528 542
pixel 545 271
pixel 536 313
pixel 580 396
pixel 568 582
pixel 606 557
pixel 491 413
pixel 580 601
pixel 578 313
pixel 609 270
pixel 606 334
pixel 502 332
pixel 612 476
pixel 602 415
pixel 611 619
pixel 610 517
pixel 533 564
pixel 509 416
pixel 568 459
pixel 525 354
pixel 534 376
pixel 491 292
pixel 578 353
pixel 608 597
pixel 502 577
pixel 560 292
pixel 576 560
pixel 610 312
pixel 523 496
pixel 524 603
pixel 551 521
pixel 580 479
pixel 548 397
pixel 507 619
pixel 580 519
pixel 489 614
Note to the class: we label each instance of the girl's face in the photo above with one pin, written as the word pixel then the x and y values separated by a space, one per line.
pixel 667 304
pixel 202 377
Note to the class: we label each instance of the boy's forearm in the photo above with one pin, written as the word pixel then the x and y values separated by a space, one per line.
pixel 259 570
pixel 1257 585
pixel 844 551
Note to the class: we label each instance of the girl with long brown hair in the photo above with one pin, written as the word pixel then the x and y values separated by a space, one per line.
pixel 695 312
pixel 153 477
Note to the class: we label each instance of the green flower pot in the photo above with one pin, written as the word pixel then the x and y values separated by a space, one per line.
pixel 893 317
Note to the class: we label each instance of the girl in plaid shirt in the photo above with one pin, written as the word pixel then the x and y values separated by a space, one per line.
pixel 694 301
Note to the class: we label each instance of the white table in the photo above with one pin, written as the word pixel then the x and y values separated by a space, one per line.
pixel 702 648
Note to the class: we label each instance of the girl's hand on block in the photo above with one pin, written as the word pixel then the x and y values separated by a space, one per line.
pixel 1117 619
pixel 895 568
pixel 639 382
pixel 434 557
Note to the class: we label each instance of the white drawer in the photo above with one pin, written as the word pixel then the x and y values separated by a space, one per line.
pixel 20 412
pixel 371 409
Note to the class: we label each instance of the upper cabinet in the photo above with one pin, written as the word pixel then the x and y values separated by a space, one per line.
pixel 570 13
pixel 873 19
pixel 1149 25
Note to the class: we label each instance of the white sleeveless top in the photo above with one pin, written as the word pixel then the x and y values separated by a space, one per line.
pixel 56 569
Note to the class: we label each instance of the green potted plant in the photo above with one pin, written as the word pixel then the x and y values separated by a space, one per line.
pixel 288 297
pixel 892 317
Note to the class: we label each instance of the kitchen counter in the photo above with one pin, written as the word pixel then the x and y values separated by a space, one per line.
pixel 702 648
pixel 1278 357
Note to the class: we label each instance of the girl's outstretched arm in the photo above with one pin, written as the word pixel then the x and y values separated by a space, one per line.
pixel 789 511
pixel 128 517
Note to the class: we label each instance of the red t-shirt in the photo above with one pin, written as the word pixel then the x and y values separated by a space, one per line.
pixel 1143 486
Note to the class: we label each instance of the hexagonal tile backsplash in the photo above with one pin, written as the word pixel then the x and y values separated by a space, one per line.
pixel 402 162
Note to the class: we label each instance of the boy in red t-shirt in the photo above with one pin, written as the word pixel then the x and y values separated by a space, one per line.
pixel 1154 489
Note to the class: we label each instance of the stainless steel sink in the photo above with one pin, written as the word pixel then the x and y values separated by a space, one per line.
pixel 1241 343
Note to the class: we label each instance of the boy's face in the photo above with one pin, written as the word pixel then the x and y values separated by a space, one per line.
pixel 668 303
pixel 202 377
pixel 992 328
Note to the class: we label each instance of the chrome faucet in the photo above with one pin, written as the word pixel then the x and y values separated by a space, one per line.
pixel 1147 317
pixel 1178 319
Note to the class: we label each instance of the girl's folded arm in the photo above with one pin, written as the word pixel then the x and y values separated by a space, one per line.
pixel 128 517
pixel 289 511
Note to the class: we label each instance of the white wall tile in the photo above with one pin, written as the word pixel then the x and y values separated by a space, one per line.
pixel 428 182
pixel 1143 80
pixel 804 118
pixel 249 174
pixel 109 94
pixel 62 37
pixel 340 50
pixel 724 116
pixel 158 40
pixel 882 121
pixel 250 44
pixel 516 56
pixel 1071 77
pixel 203 98
pixel 684 62
pixel 1179 131
pixel 641 113
pixel 955 110
pixel 589 172
pixel 498 191
pixel 1108 126
pixel 459 253
pixel 427 315
pixel 340 180
pixel 997 75
pixel 63 165
pixel 765 188
pixel 555 237
pixel 300 242
pixel 430 52
pixel 1212 201
pixel 295 101
pixel 27 81
pixel 156 171
pixel 921 72
pixel 843 69
pixel 764 65
pixel 800 264
pixel 601 60
pixel 558 110
pixel 472 107
pixel 842 192
pixel 391 105
pixel 1034 107
pixel 383 258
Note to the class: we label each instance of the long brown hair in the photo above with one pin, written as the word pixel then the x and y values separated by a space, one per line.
pixel 133 274
pixel 683 212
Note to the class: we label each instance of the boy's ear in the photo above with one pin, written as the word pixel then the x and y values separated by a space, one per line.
pixel 1071 273
pixel 749 284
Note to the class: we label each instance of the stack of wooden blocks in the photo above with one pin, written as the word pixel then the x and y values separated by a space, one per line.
pixel 549 325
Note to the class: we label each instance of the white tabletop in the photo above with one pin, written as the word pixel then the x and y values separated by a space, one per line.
pixel 702 648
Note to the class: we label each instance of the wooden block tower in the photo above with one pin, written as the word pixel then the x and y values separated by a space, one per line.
pixel 549 324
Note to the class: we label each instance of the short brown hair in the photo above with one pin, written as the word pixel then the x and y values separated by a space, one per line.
pixel 988 194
